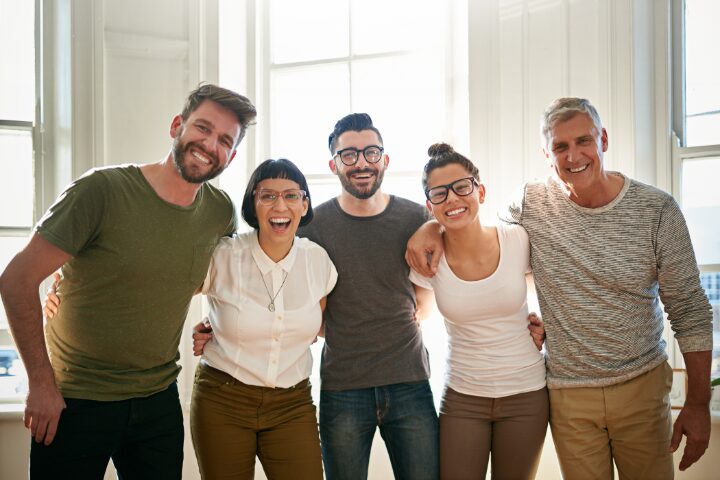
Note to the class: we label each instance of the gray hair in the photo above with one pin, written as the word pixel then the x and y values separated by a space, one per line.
pixel 563 109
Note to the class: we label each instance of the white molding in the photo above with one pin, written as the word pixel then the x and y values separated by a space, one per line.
pixel 144 46
pixel 663 94
pixel 622 98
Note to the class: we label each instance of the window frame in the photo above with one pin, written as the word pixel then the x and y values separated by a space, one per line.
pixel 33 127
pixel 680 153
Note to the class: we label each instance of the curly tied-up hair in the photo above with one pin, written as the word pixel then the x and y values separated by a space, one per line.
pixel 280 168
pixel 442 154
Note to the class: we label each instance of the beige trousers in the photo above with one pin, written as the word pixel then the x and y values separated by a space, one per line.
pixel 629 423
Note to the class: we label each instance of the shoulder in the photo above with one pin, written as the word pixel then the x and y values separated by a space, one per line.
pixel 313 252
pixel 218 195
pixel 649 192
pixel 405 204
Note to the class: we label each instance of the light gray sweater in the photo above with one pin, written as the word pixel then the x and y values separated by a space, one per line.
pixel 601 274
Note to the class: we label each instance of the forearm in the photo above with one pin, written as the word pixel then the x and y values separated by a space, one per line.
pixel 698 371
pixel 24 314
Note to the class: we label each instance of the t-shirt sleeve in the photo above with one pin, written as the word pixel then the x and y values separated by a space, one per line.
pixel 233 225
pixel 419 280
pixel 330 273
pixel 75 219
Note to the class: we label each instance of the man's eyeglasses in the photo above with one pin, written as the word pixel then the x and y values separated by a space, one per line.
pixel 269 197
pixel 350 156
pixel 462 187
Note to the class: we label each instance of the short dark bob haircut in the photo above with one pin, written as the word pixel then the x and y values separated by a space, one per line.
pixel 280 168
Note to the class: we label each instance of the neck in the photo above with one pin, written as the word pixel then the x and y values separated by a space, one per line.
pixel 363 207
pixel 600 194
pixel 467 239
pixel 167 182
pixel 275 250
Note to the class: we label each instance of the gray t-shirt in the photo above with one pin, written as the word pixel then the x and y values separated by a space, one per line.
pixel 371 338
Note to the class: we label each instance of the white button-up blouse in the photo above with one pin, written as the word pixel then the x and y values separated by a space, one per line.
pixel 250 342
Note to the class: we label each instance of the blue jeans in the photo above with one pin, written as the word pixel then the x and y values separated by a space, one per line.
pixel 408 422
pixel 143 436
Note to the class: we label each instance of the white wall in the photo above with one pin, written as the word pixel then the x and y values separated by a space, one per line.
pixel 133 61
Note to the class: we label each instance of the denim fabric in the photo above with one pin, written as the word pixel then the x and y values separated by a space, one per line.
pixel 143 436
pixel 408 422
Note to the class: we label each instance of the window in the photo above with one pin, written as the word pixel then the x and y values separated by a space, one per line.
pixel 696 153
pixel 17 119
pixel 317 61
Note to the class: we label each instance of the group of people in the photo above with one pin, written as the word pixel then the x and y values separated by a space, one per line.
pixel 136 242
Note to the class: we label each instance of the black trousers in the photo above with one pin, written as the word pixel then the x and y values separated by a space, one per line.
pixel 143 436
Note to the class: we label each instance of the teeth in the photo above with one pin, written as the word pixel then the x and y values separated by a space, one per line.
pixel 279 220
pixel 204 160
pixel 456 211
pixel 579 169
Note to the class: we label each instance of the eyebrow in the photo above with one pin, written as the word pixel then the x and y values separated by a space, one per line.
pixel 211 125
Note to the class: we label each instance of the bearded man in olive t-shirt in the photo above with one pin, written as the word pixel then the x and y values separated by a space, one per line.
pixel 134 243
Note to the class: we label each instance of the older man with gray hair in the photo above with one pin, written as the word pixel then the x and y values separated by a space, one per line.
pixel 605 251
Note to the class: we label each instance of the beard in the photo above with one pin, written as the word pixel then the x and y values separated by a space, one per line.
pixel 188 172
pixel 365 192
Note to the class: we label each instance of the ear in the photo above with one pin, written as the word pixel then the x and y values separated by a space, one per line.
pixel 305 207
pixel 332 165
pixel 604 140
pixel 429 207
pixel 386 159
pixel 176 126
pixel 481 193
pixel 232 155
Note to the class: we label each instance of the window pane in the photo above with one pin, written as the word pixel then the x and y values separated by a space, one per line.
pixel 17 60
pixel 711 284
pixel 13 381
pixel 18 184
pixel 702 71
pixel 406 102
pixel 305 103
pixel 703 130
pixel 308 30
pixel 701 205
pixel 18 188
pixel 383 26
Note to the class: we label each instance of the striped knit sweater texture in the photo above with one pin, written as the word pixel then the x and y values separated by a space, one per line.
pixel 603 276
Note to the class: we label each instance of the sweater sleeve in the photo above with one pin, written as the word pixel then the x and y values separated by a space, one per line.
pixel 682 295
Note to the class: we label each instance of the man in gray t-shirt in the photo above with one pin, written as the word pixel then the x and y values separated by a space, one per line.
pixel 374 366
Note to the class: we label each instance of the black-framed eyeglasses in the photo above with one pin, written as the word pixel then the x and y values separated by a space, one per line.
pixel 462 187
pixel 349 156
pixel 291 196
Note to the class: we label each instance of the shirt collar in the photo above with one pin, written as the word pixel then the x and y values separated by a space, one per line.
pixel 266 264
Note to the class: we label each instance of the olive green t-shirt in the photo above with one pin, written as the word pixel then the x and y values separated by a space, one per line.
pixel 137 261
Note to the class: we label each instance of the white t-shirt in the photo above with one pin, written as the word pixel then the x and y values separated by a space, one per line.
pixel 491 353
pixel 251 343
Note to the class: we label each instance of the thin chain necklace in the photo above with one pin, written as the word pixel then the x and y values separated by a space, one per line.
pixel 271 305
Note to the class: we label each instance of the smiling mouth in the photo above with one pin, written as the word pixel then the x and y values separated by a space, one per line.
pixel 362 176
pixel 455 212
pixel 279 224
pixel 578 169
pixel 201 157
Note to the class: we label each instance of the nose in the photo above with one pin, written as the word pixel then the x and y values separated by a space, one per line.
pixel 280 204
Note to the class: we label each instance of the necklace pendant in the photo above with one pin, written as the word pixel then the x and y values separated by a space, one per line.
pixel 271 306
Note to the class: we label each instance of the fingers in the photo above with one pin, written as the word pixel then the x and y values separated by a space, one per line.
pixel 434 261
pixel 692 453
pixel 676 437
